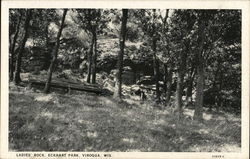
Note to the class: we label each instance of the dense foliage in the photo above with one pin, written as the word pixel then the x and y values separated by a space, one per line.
pixel 192 55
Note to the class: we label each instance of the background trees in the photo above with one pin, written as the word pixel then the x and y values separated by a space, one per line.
pixel 171 55
pixel 92 22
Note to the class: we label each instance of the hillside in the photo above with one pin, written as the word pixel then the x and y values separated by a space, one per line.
pixel 88 122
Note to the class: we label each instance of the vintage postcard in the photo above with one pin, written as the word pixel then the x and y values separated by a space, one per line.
pixel 125 79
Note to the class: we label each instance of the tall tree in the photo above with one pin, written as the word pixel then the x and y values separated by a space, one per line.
pixel 200 68
pixel 155 59
pixel 122 38
pixel 180 78
pixel 90 59
pixel 218 31
pixel 90 21
pixel 93 69
pixel 167 57
pixel 181 31
pixel 94 34
pixel 55 52
pixel 12 46
pixel 17 78
pixel 90 54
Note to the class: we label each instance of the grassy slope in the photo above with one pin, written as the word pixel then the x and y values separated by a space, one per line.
pixel 87 122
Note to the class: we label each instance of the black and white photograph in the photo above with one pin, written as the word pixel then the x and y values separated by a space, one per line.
pixel 124 80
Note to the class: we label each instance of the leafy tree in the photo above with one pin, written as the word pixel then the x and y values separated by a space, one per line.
pixel 222 53
pixel 181 33
pixel 17 78
pixel 216 29
pixel 118 91
pixel 55 51
pixel 16 30
pixel 90 19
pixel 167 57
pixel 200 67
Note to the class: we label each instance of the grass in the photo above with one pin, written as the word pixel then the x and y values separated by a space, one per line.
pixel 88 122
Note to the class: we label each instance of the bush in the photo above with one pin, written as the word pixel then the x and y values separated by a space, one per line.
pixel 132 33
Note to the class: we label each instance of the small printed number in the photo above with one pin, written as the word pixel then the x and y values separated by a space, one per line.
pixel 217 156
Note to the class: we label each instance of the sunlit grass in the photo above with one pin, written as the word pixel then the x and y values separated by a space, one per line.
pixel 84 122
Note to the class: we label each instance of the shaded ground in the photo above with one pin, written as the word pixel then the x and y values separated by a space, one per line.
pixel 87 122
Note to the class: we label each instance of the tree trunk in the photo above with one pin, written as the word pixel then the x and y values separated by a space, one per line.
pixel 215 86
pixel 165 77
pixel 179 89
pixel 169 85
pixel 199 95
pixel 94 58
pixel 17 78
pixel 219 100
pixel 155 61
pixel 200 72
pixel 189 99
pixel 55 52
pixel 12 48
pixel 47 51
pixel 178 98
pixel 118 89
pixel 156 72
pixel 168 72
pixel 90 58
pixel 189 92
